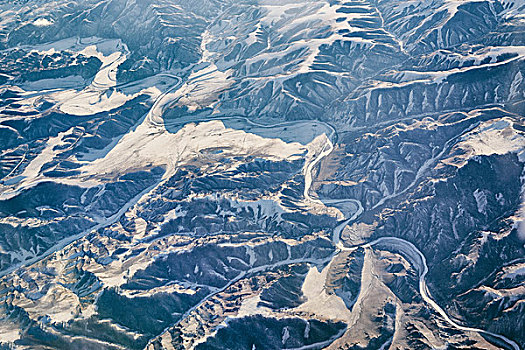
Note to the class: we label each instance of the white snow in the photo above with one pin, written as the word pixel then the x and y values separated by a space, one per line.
pixel 318 301
pixel 170 215
pixel 519 217
pixel 307 330
pixel 203 87
pixel 101 95
pixel 481 201
pixel 286 335
pixel 59 304
pixel 493 137
pixel 94 98
pixel 9 333
pixel 251 254
pixel 205 82
pixel 514 87
pixel 31 174
pixel 42 22
pixel 43 85
pixel 249 307
pixel 515 271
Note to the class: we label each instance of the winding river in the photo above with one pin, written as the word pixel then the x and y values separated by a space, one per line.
pixel 155 119
pixel 416 257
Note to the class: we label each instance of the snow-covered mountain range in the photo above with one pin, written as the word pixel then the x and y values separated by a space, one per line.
pixel 262 174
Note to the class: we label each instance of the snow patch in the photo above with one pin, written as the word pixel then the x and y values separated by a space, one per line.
pixel 42 22
pixel 481 201
pixel 149 146
pixel 286 335
pixel 318 301
pixel 494 137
